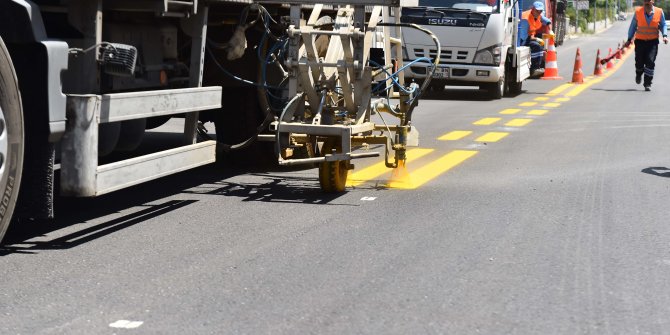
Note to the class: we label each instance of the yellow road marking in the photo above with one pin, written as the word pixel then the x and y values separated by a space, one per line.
pixel 541 99
pixel 528 104
pixel 430 171
pixel 376 170
pixel 518 122
pixel 510 111
pixel 562 99
pixel 493 136
pixel 551 104
pixel 454 135
pixel 487 121
pixel 559 89
pixel 538 112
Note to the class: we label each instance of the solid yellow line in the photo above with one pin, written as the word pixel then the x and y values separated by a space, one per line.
pixel 376 170
pixel 528 104
pixel 454 135
pixel 430 171
pixel 538 112
pixel 551 104
pixel 518 122
pixel 559 89
pixel 487 121
pixel 510 111
pixel 493 136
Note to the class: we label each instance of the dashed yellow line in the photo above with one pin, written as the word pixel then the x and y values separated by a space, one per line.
pixel 541 99
pixel 551 104
pixel 493 136
pixel 509 111
pixel 562 99
pixel 487 121
pixel 518 122
pixel 454 135
pixel 528 104
pixel 430 171
pixel 538 112
pixel 376 170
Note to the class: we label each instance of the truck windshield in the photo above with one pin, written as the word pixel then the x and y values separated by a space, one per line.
pixel 481 6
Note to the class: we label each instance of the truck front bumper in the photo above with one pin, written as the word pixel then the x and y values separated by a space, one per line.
pixel 459 74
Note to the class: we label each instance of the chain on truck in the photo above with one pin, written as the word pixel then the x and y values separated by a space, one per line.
pixel 81 82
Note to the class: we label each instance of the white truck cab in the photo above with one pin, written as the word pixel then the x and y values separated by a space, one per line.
pixel 478 40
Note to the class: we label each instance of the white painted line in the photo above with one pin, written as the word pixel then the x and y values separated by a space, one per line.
pixel 368 198
pixel 126 324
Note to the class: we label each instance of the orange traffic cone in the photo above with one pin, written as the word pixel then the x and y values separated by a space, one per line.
pixel 598 70
pixel 550 61
pixel 618 51
pixel 577 74
pixel 609 62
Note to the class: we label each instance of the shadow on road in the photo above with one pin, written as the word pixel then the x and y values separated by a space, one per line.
pixel 272 188
pixel 73 214
pixel 18 241
pixel 617 90
pixel 657 171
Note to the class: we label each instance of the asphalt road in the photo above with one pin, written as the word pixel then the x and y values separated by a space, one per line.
pixel 544 213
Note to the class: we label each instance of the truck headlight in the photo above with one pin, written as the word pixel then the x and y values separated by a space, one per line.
pixel 489 56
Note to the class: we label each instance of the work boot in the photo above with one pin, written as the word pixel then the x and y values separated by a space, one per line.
pixel 638 78
pixel 647 88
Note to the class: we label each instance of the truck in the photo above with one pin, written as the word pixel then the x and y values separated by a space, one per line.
pixel 479 44
pixel 81 82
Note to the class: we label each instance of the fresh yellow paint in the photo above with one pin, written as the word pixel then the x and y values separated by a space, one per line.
pixel 559 89
pixel 487 121
pixel 528 104
pixel 541 99
pixel 510 111
pixel 538 112
pixel 562 99
pixel 376 170
pixel 454 135
pixel 518 122
pixel 493 136
pixel 551 104
pixel 433 169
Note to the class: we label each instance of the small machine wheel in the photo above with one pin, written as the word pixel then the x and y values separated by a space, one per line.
pixel 333 175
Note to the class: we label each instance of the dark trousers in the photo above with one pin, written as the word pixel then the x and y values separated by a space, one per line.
pixel 536 55
pixel 645 56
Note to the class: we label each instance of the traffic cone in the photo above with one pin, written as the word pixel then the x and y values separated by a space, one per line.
pixel 610 65
pixel 577 74
pixel 550 62
pixel 598 70
pixel 618 51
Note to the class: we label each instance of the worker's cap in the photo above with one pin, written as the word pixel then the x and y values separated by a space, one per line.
pixel 538 5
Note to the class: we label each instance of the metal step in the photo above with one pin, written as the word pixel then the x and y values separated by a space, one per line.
pixel 81 175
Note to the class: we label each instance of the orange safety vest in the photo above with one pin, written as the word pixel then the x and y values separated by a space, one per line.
pixel 533 24
pixel 646 31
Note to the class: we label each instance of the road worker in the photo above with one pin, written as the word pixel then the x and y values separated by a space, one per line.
pixel 644 27
pixel 531 27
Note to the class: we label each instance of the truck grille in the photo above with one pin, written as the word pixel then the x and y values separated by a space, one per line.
pixel 447 55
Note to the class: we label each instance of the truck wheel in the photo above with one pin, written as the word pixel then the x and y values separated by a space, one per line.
pixel 11 139
pixel 496 90
pixel 515 88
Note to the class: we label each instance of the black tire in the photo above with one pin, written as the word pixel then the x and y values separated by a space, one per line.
pixel 515 88
pixel 11 139
pixel 496 90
